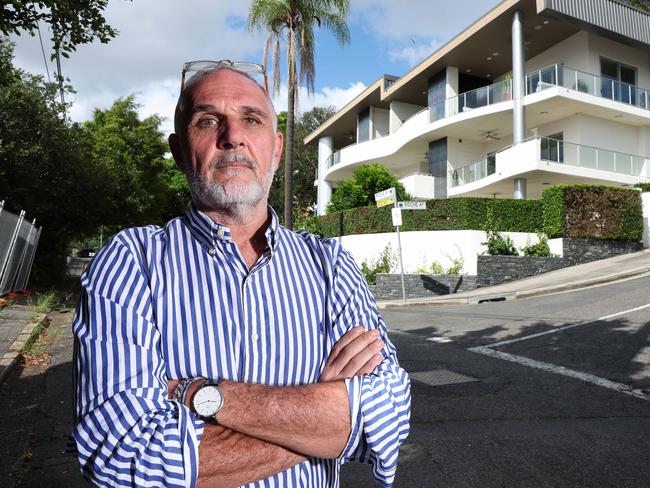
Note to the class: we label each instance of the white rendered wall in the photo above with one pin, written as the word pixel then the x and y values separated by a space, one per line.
pixel 324 190
pixel 645 198
pixel 637 58
pixel 421 249
pixel 451 82
pixel 379 124
pixel 399 112
pixel 572 52
pixel 419 186
pixel 461 153
pixel 604 134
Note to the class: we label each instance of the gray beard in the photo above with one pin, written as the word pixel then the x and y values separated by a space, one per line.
pixel 235 199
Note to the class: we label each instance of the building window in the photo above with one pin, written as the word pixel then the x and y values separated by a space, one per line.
pixel 618 81
pixel 552 148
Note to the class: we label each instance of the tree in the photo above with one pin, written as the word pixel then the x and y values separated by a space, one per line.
pixel 45 165
pixel 305 163
pixel 72 22
pixel 296 19
pixel 132 151
pixel 641 4
pixel 360 190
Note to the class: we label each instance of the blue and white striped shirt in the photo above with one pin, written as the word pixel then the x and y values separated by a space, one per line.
pixel 179 302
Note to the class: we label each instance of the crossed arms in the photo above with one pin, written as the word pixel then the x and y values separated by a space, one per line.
pixel 267 429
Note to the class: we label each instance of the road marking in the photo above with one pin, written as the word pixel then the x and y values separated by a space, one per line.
pixel 561 370
pixel 441 340
pixel 566 327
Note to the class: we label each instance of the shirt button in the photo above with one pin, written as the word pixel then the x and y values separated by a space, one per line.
pixel 255 336
pixel 211 251
pixel 221 232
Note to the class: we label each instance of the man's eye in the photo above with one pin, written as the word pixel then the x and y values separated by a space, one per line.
pixel 210 122
pixel 251 121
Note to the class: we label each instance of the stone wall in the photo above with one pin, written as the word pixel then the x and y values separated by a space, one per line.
pixel 493 270
pixel 389 286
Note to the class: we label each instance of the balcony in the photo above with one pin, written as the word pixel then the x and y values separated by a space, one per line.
pixel 474 171
pixel 430 122
pixel 547 161
pixel 599 86
pixel 556 151
pixel 419 185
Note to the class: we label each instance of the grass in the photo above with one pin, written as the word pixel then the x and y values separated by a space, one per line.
pixel 36 349
pixel 43 302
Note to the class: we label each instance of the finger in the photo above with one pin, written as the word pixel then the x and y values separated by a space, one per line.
pixel 370 366
pixel 356 362
pixel 347 338
pixel 345 350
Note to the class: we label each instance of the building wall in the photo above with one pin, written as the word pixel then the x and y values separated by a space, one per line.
pixel 601 46
pixel 379 124
pixel 570 52
pixel 466 152
pixel 399 112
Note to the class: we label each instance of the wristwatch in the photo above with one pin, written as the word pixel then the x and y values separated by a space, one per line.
pixel 207 401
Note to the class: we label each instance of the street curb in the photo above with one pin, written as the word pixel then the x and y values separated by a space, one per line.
pixel 10 358
pixel 488 297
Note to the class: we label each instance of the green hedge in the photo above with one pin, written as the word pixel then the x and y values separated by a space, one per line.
pixel 643 186
pixel 590 211
pixel 449 214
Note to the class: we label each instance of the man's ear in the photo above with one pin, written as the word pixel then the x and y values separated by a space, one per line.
pixel 279 142
pixel 177 151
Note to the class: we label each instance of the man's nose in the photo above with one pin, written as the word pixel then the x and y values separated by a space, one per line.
pixel 231 136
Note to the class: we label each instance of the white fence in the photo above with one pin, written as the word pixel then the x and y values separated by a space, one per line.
pixel 18 241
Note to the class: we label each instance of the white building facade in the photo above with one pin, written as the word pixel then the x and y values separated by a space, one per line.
pixel 535 93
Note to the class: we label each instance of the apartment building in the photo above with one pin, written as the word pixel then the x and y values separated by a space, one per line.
pixel 534 93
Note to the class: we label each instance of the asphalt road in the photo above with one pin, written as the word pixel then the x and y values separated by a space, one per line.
pixel 563 409
pixel 569 407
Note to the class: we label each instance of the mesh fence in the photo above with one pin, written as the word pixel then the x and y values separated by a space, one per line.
pixel 18 241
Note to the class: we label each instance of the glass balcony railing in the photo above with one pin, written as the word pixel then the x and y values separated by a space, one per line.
pixel 480 97
pixel 334 158
pixel 557 151
pixel 473 172
pixel 600 86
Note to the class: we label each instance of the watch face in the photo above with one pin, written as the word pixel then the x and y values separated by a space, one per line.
pixel 207 400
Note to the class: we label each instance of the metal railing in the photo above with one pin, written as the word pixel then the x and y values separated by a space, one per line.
pixel 474 171
pixel 558 151
pixel 600 86
pixel 18 242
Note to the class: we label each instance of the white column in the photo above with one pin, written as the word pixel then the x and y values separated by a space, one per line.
pixel 520 188
pixel 325 150
pixel 518 78
pixel 451 88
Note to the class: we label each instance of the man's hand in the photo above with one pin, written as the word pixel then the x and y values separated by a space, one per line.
pixel 357 353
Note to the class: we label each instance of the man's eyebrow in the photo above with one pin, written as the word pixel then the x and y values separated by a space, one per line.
pixel 202 108
pixel 248 110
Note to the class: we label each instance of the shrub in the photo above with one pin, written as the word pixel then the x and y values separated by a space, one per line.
pixel 589 211
pixel 360 190
pixel 643 186
pixel 310 224
pixel 383 264
pixel 444 214
pixel 498 245
pixel 539 249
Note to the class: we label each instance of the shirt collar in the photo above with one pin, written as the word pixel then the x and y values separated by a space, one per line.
pixel 211 232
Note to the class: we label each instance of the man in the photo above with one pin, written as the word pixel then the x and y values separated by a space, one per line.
pixel 223 349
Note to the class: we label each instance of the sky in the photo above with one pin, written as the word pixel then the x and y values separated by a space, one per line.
pixel 157 36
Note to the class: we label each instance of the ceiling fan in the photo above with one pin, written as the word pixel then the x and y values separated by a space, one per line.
pixel 490 135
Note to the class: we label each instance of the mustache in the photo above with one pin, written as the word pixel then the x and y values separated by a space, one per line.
pixel 226 160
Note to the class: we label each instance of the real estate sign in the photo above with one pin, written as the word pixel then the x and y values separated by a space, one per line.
pixel 386 197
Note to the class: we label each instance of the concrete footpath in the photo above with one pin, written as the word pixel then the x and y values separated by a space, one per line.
pixel 571 278
pixel 17 322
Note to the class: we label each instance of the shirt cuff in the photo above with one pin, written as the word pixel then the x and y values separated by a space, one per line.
pixel 353 386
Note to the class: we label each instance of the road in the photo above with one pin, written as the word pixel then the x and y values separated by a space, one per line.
pixel 567 408
pixel 562 402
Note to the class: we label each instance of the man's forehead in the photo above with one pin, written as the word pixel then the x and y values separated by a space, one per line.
pixel 227 87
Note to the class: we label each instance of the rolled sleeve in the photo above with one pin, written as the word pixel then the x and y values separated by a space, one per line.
pixel 380 402
pixel 127 432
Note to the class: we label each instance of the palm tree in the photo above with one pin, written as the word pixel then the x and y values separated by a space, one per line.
pixel 294 21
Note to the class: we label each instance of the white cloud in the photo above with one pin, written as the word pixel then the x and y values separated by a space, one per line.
pixel 156 37
pixel 336 96
pixel 419 18
pixel 414 52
